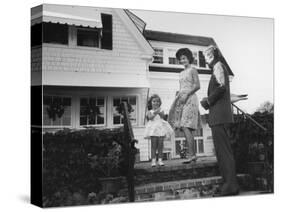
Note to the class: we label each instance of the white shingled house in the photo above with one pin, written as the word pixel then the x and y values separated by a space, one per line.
pixel 96 57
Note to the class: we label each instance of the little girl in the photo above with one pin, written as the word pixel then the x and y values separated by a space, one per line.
pixel 156 129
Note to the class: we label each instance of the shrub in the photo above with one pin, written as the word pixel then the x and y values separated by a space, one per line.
pixel 252 144
pixel 73 162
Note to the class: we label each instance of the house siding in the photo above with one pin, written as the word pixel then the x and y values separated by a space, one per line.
pixel 36 59
pixel 125 58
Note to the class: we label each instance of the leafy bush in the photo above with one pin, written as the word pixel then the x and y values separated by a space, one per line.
pixel 252 144
pixel 73 162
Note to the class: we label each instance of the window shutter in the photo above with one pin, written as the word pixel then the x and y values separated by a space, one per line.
pixel 36 35
pixel 106 41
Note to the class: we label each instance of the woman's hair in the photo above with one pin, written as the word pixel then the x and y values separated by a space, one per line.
pixel 149 103
pixel 215 51
pixel 187 53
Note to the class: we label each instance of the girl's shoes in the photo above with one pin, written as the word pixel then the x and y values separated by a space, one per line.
pixel 191 159
pixel 153 163
pixel 160 162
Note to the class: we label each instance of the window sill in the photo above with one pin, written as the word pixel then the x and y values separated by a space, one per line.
pixel 58 126
pixel 72 47
pixel 174 66
pixel 92 126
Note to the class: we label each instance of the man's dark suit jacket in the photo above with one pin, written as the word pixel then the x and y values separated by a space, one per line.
pixel 220 111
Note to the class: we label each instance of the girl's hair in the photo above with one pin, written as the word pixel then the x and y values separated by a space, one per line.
pixel 149 103
pixel 187 53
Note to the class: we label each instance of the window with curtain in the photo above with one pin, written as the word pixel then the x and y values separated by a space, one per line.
pixel 92 111
pixel 56 111
pixel 117 117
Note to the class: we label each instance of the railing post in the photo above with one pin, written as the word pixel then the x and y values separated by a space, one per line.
pixel 129 144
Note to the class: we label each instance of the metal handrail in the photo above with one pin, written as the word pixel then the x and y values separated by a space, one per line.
pixel 249 117
pixel 129 144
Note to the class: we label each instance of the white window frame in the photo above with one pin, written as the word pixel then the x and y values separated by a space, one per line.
pixel 105 111
pixel 196 139
pixel 198 65
pixel 169 52
pixel 156 55
pixel 173 63
pixel 71 117
pixel 181 139
pixel 137 108
pixel 196 58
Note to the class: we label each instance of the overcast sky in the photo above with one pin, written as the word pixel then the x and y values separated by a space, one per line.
pixel 246 43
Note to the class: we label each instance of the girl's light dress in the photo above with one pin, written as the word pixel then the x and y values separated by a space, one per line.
pixel 158 127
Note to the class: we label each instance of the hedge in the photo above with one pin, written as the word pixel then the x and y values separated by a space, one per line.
pixel 73 162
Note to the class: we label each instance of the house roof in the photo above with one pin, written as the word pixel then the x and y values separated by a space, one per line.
pixel 66 14
pixel 178 38
pixel 140 24
pixel 183 39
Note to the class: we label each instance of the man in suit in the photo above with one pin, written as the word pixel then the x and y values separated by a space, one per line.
pixel 220 116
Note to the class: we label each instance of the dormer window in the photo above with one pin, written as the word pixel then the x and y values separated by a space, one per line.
pixel 195 56
pixel 55 33
pixel 88 37
pixel 53 24
pixel 202 62
pixel 173 61
pixel 199 59
pixel 49 33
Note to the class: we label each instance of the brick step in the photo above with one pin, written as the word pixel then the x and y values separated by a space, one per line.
pixel 175 171
pixel 184 189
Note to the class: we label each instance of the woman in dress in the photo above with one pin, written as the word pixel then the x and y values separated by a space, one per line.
pixel 184 112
